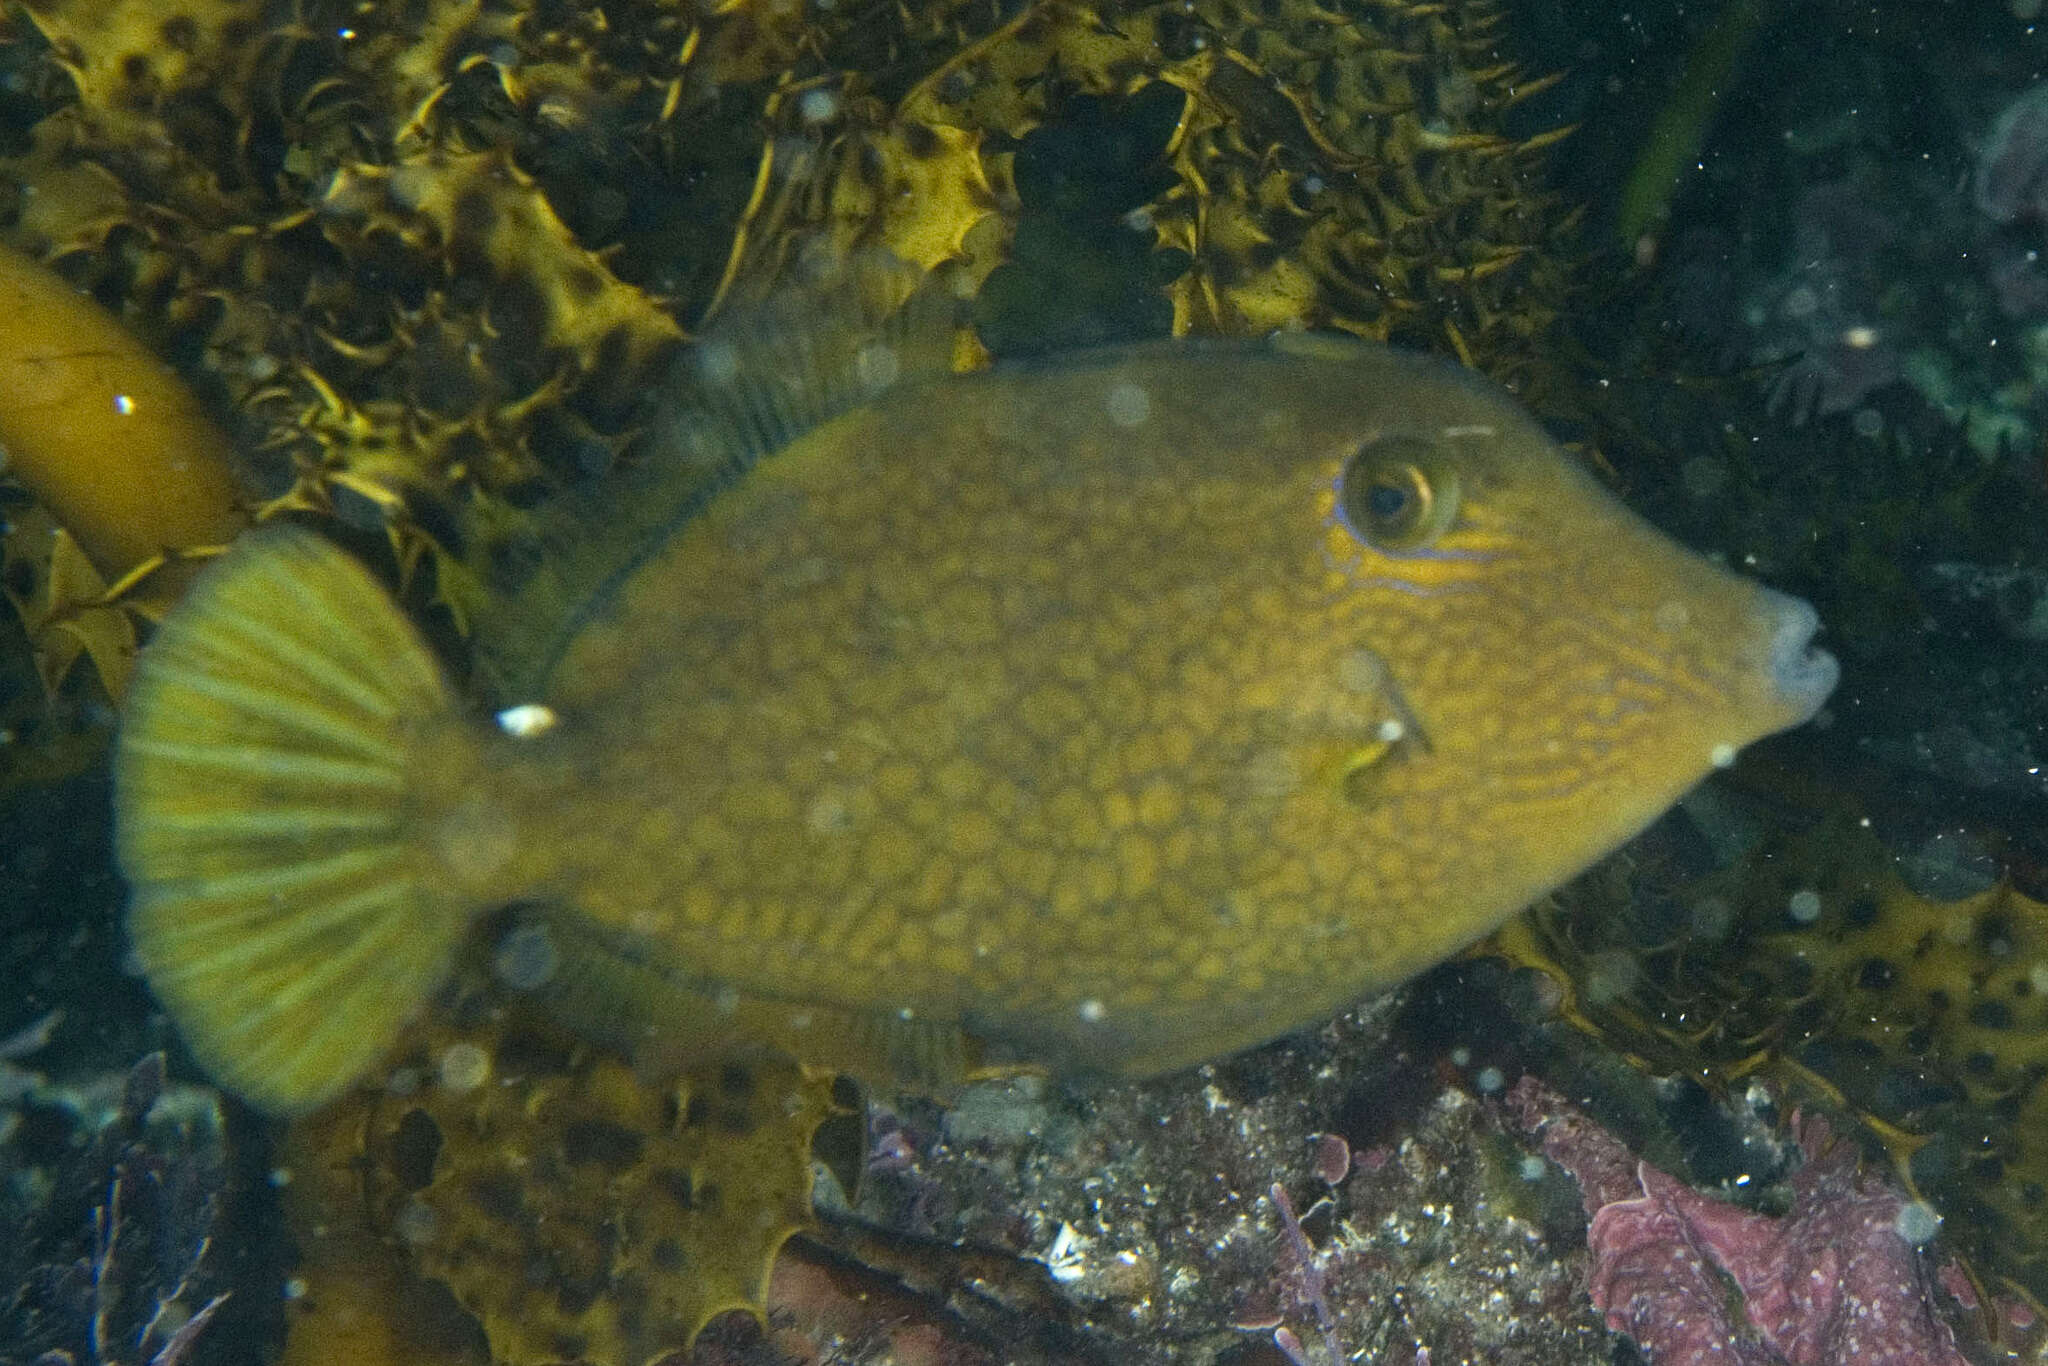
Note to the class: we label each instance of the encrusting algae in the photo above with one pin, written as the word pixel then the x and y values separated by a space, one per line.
pixel 1115 712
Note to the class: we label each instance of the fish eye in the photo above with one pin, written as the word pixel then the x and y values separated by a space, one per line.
pixel 1395 493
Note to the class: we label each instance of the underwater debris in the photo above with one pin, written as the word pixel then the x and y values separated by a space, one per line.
pixel 112 1198
pixel 1821 323
pixel 2010 182
pixel 1840 1277
pixel 1173 1248
pixel 1305 1281
pixel 1671 149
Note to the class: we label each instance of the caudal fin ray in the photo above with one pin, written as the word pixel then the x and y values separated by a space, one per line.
pixel 276 765
pixel 282 715
pixel 194 826
pixel 297 876
pixel 236 937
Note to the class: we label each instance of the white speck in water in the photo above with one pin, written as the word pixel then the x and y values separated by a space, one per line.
pixel 474 840
pixel 876 367
pixel 1091 1011
pixel 1722 755
pixel 819 105
pixel 1488 1081
pixel 526 958
pixel 1917 1222
pixel 280 1177
pixel 2037 978
pixel 1461 1056
pixel 1611 975
pixel 464 1067
pixel 527 720
pixel 417 1223
pixel 295 1288
pixel 718 362
pixel 1391 730
pixel 1128 405
pixel 1533 1168
pixel 1712 917
pixel 1860 337
pixel 1271 773
pixel 1804 906
pixel 124 405
pixel 828 815
pixel 1361 671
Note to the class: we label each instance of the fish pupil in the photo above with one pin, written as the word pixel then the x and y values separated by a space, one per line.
pixel 1386 502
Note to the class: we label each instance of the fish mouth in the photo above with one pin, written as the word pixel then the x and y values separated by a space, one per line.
pixel 1800 674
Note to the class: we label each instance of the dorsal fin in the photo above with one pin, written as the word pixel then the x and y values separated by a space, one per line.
pixel 768 371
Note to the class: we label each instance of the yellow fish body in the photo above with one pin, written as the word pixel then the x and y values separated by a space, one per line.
pixel 1117 712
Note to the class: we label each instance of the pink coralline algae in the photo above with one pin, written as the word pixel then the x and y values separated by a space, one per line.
pixel 1832 1282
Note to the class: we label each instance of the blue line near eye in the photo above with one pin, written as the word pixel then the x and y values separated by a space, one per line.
pixel 1441 553
pixel 1337 487
pixel 1409 586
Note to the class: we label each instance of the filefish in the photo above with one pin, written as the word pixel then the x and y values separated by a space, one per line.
pixel 1110 712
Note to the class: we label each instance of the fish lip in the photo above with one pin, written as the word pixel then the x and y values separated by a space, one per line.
pixel 1801 673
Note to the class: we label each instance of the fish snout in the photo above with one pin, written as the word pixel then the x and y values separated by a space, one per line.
pixel 1797 672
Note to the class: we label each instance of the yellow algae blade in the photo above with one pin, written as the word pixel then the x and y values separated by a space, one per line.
pixel 573 1209
pixel 101 430
pixel 262 816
